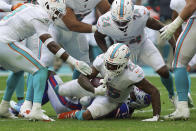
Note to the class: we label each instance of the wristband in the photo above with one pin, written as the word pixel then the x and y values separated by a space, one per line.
pixel 60 52
pixel 94 28
pixel 48 41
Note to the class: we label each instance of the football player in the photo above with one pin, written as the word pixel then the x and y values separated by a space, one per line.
pixel 125 23
pixel 120 76
pixel 23 22
pixel 185 50
pixel 177 6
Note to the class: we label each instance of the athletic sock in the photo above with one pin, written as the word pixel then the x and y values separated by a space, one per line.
pixel 182 83
pixel 30 91
pixel 168 83
pixel 39 82
pixel 12 82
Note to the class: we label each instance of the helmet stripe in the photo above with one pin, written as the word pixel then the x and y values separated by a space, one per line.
pixel 122 8
pixel 115 50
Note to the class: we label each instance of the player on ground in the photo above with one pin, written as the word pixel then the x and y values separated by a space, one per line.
pixel 185 50
pixel 125 23
pixel 177 6
pixel 136 101
pixel 120 75
pixel 18 25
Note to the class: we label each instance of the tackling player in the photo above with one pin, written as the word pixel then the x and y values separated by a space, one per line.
pixel 125 23
pixel 18 25
pixel 120 76
pixel 185 50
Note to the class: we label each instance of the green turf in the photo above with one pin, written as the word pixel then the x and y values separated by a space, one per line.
pixel 109 125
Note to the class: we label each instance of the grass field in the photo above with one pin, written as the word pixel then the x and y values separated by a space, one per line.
pixel 107 125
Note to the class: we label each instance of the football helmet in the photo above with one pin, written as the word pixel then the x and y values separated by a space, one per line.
pixel 122 12
pixel 55 8
pixel 116 58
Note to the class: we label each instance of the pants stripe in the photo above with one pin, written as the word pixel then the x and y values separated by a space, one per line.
pixel 181 40
pixel 26 55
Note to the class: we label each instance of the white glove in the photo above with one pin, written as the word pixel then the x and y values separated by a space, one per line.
pixel 100 90
pixel 81 66
pixel 154 118
pixel 168 30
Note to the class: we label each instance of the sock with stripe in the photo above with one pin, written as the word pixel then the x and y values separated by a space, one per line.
pixel 30 91
pixel 13 81
pixel 39 82
pixel 168 83
pixel 182 83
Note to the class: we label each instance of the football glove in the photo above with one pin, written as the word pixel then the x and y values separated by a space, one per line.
pixel 168 30
pixel 100 90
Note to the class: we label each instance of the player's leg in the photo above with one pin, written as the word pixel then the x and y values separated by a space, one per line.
pixel 59 103
pixel 100 107
pixel 72 89
pixel 28 62
pixel 152 57
pixel 185 50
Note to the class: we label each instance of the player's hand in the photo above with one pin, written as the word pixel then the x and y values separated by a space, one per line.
pixel 100 90
pixel 154 118
pixel 16 6
pixel 82 67
pixel 167 32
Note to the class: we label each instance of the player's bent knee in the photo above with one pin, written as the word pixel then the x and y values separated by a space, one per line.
pixel 163 72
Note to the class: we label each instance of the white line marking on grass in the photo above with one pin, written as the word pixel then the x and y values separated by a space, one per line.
pixel 144 111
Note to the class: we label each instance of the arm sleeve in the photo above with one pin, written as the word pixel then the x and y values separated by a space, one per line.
pixel 100 25
pixel 98 62
pixel 136 73
pixel 5 7
pixel 40 27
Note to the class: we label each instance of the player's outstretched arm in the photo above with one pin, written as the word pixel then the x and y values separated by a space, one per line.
pixel 60 52
pixel 147 87
pixel 73 24
pixel 100 39
pixel 188 10
pixel 85 83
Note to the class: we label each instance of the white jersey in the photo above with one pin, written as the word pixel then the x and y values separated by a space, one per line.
pixel 82 7
pixel 120 86
pixel 24 22
pixel 134 35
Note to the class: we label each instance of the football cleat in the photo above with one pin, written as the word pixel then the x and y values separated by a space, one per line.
pixel 39 115
pixel 67 115
pixel 4 111
pixel 182 112
pixel 15 107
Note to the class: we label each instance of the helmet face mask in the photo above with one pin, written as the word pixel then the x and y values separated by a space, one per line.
pixel 116 58
pixel 122 12
pixel 55 9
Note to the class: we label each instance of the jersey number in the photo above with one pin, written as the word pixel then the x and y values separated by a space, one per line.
pixel 113 93
pixel 105 21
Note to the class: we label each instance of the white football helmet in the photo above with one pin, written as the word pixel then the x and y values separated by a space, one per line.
pixel 116 58
pixel 122 12
pixel 55 8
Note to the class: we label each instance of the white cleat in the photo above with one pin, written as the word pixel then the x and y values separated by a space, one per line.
pixel 25 109
pixel 39 115
pixel 4 110
pixel 182 112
